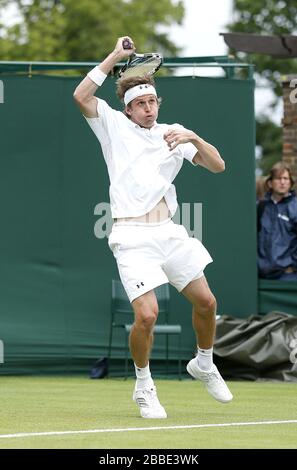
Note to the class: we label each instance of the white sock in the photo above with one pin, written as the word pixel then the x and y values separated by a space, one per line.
pixel 143 377
pixel 204 358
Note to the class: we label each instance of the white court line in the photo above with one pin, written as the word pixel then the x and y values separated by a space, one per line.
pixel 153 428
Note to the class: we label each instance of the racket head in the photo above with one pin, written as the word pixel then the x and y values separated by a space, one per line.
pixel 140 65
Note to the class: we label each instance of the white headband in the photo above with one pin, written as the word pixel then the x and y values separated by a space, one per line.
pixel 139 90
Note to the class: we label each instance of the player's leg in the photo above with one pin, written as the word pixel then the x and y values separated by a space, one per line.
pixel 201 367
pixel 139 264
pixel 141 338
pixel 204 311
pixel 184 266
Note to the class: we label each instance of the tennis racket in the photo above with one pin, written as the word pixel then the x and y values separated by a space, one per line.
pixel 139 65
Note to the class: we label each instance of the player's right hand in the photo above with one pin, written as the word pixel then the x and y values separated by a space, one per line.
pixel 119 49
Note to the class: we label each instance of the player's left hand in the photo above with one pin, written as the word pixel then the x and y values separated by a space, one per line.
pixel 174 137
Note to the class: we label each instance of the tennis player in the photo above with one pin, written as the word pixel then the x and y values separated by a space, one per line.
pixel 143 158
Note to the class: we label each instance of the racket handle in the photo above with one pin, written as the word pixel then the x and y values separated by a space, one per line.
pixel 127 44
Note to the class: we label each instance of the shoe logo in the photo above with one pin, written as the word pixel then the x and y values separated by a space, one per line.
pixel 142 402
pixel 141 284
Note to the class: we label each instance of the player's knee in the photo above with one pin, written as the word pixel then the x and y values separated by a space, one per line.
pixel 206 304
pixel 146 315
pixel 147 321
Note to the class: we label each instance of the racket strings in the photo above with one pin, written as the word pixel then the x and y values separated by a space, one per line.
pixel 141 69
pixel 142 65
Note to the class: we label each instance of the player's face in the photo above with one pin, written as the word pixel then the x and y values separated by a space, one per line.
pixel 281 184
pixel 143 110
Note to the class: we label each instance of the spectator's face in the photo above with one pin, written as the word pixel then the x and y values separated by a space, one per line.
pixel 280 185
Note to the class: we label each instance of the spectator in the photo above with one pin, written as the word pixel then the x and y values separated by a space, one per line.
pixel 277 226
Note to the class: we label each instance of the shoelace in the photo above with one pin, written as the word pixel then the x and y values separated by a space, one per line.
pixel 213 375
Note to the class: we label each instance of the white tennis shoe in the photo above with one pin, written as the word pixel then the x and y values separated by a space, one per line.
pixel 212 380
pixel 148 403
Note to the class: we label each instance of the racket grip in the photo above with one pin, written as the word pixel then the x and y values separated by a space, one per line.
pixel 127 44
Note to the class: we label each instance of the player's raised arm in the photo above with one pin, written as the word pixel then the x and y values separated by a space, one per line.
pixel 84 93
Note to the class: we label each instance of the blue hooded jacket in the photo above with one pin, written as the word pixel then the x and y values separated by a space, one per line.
pixel 277 236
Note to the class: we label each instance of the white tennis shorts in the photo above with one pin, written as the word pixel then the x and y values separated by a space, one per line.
pixel 149 255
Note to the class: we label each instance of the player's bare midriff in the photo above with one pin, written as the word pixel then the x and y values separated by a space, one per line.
pixel 159 213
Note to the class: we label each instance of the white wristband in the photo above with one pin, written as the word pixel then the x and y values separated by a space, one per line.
pixel 97 76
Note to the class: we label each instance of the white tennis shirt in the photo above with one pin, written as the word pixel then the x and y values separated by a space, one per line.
pixel 140 165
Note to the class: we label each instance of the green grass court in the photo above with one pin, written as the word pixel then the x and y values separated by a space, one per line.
pixel 59 404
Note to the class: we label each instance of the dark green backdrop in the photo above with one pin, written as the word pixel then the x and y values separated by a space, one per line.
pixel 55 275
